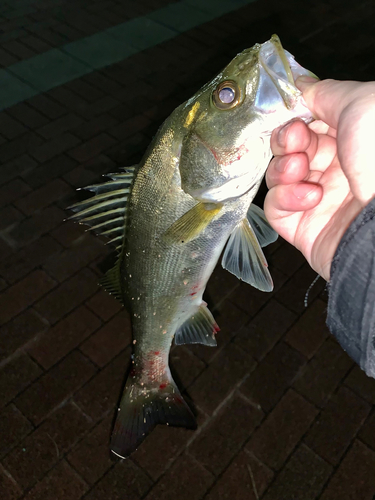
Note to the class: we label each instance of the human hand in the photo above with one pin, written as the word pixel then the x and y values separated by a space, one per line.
pixel 323 174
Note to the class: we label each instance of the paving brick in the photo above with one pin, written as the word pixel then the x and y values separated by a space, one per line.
pixel 47 106
pixel 287 259
pixel 220 285
pixel 87 173
pixel 310 331
pixel 12 191
pixel 44 196
pixel 223 437
pixel 10 490
pixel 273 442
pixel 129 127
pixel 245 478
pixel 62 482
pixel 293 293
pixel 20 331
pixel 15 376
pixel 68 233
pixel 91 458
pixel 69 100
pixel 60 126
pixel 124 480
pixel 18 265
pixel 230 319
pixel 85 90
pixel 9 127
pixel 9 216
pixel 224 373
pixel 55 386
pixel 260 335
pixel 270 379
pixel 58 166
pixel 103 392
pixel 177 483
pixel 18 49
pixel 24 293
pixel 104 305
pixel 360 383
pixel 162 446
pixel 109 341
pixel 252 300
pixel 28 116
pixel 18 166
pixel 185 366
pixel 91 148
pixel 71 260
pixel 67 296
pixel 367 433
pixel 331 435
pixel 323 373
pixel 13 427
pixel 302 478
pixel 64 337
pixel 36 43
pixel 355 476
pixel 54 147
pixel 33 227
pixel 65 427
pixel 7 59
pixel 42 449
pixel 94 126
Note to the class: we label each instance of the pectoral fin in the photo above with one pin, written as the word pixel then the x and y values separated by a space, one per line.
pixel 262 229
pixel 192 223
pixel 244 258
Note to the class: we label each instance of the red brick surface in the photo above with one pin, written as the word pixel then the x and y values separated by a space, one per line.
pixel 283 413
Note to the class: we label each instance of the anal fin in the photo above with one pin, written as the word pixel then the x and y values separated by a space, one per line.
pixel 200 328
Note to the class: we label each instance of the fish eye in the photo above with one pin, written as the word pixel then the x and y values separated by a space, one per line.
pixel 226 95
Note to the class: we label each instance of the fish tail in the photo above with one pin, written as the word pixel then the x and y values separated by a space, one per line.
pixel 142 408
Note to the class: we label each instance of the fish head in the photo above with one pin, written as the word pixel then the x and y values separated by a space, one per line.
pixel 226 150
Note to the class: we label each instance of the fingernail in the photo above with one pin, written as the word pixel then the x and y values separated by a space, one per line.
pixel 281 163
pixel 301 191
pixel 281 135
pixel 303 82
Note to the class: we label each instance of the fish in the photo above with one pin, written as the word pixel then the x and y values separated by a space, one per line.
pixel 171 216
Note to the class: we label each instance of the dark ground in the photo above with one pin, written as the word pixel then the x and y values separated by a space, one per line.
pixel 284 414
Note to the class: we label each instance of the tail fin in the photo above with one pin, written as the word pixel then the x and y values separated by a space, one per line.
pixel 142 408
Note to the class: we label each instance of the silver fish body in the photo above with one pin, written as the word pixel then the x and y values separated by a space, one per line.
pixel 173 214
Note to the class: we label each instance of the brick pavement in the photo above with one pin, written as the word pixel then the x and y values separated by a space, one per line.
pixel 283 412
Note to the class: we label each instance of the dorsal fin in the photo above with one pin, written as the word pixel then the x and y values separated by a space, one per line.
pixel 106 211
pixel 262 229
pixel 111 281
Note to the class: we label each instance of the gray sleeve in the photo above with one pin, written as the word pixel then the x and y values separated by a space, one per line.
pixel 351 303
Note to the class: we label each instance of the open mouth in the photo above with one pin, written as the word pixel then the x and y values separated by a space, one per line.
pixel 282 69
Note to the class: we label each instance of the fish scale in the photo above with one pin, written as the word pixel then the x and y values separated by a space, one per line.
pixel 173 214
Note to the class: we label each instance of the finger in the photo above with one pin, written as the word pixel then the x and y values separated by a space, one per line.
pixel 287 169
pixel 297 197
pixel 293 137
pixel 328 98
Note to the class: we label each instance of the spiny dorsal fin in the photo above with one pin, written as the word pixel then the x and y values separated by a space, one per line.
pixel 106 211
pixel 200 328
pixel 262 229
pixel 192 223
pixel 111 281
pixel 244 258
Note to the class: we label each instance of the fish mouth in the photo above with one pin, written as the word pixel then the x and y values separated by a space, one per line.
pixel 281 67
